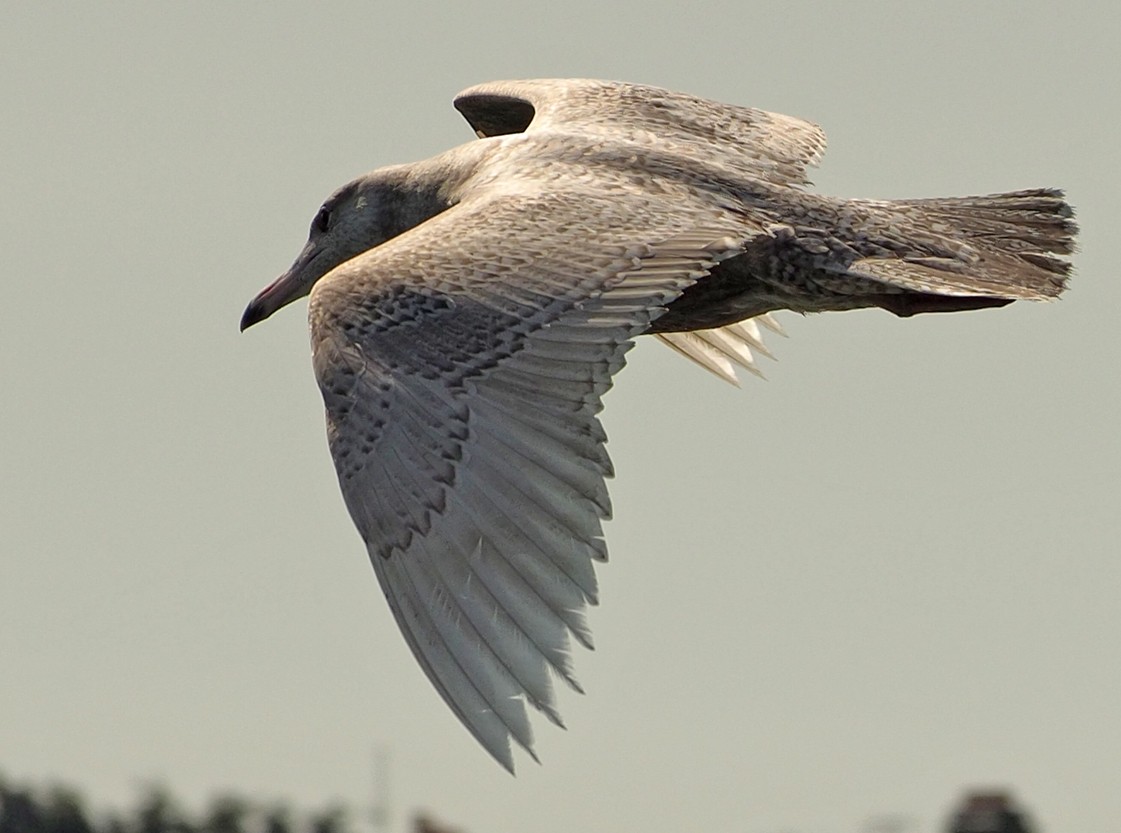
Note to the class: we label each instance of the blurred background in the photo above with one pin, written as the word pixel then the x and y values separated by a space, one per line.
pixel 884 576
pixel 57 808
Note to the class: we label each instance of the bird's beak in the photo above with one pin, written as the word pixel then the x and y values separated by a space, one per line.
pixel 293 284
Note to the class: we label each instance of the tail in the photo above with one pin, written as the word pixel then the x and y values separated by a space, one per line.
pixel 972 252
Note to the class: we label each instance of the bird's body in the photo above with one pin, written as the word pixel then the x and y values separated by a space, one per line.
pixel 469 312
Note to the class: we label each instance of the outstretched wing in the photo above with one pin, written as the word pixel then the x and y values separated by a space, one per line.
pixel 462 365
pixel 766 146
pixel 745 142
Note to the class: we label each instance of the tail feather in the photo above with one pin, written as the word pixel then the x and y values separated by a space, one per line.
pixel 905 256
pixel 974 252
pixel 1018 238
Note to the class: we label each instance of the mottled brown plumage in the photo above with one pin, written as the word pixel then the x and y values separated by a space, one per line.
pixel 469 312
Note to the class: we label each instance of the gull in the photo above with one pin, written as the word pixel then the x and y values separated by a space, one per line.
pixel 468 313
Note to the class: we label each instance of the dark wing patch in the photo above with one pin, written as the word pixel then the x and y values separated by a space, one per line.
pixel 495 115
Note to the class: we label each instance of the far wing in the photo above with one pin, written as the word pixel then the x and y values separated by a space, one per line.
pixel 722 350
pixel 462 365
pixel 767 146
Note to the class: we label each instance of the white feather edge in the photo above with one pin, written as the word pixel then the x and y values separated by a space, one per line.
pixel 723 349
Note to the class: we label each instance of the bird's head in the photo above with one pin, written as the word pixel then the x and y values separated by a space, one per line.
pixel 360 215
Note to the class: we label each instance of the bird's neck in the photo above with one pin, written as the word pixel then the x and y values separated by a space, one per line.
pixel 432 186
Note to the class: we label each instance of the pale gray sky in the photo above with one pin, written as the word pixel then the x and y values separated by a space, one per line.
pixel 886 573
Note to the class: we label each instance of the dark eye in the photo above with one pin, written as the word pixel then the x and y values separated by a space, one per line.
pixel 322 220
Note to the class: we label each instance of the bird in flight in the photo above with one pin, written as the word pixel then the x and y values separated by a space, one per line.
pixel 469 311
